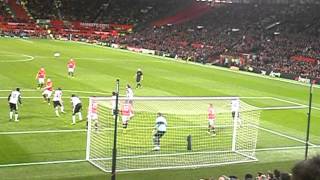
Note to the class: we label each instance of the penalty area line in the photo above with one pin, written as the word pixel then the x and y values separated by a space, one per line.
pixel 42 163
pixel 282 135
pixel 67 90
pixel 255 97
pixel 283 107
pixel 295 103
pixel 40 132
pixel 284 148
pixel 39 97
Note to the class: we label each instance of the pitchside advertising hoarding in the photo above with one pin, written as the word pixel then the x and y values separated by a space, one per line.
pixel 85 25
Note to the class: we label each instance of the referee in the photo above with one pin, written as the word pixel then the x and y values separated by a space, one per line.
pixel 139 78
pixel 159 130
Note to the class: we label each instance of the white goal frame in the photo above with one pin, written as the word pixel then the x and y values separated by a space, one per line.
pixel 234 149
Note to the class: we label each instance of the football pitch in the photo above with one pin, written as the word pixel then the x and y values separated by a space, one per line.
pixel 42 146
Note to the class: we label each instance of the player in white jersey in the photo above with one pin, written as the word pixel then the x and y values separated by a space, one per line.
pixel 14 98
pixel 129 94
pixel 235 108
pixel 77 107
pixel 57 101
pixel 159 130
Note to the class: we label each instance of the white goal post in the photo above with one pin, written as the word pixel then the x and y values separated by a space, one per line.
pixel 187 142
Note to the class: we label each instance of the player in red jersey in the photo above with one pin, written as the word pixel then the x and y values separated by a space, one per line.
pixel 211 120
pixel 48 91
pixel 71 66
pixel 41 75
pixel 127 114
pixel 93 114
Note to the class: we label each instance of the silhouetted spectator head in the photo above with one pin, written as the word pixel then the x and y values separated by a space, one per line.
pixel 248 177
pixel 286 176
pixel 307 170
pixel 223 178
pixel 270 176
pixel 233 178
pixel 276 173
pixel 263 177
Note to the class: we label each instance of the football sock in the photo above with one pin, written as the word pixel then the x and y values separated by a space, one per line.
pixel 11 115
pixel 16 117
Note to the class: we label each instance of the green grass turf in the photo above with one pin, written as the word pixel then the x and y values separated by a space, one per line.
pixel 97 69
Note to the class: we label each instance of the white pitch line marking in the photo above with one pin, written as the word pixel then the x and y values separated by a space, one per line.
pixel 282 107
pixel 284 148
pixel 39 97
pixel 78 58
pixel 88 92
pixel 40 132
pixel 28 58
pixel 67 90
pixel 281 134
pixel 295 103
pixel 41 163
pixel 25 40
pixel 255 97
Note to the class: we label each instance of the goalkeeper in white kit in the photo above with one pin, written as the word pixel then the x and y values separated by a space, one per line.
pixel 235 108
pixel 159 130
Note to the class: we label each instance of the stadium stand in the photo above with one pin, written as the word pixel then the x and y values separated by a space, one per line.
pixel 98 11
pixel 193 11
pixel 4 12
pixel 19 11
pixel 41 9
pixel 270 34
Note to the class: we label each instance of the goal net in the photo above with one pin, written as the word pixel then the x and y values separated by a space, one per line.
pixel 187 142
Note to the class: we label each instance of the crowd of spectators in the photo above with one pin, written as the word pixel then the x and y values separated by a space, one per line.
pixel 69 10
pixel 103 11
pixel 275 175
pixel 274 33
pixel 139 12
pixel 3 12
pixel 304 170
